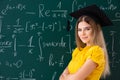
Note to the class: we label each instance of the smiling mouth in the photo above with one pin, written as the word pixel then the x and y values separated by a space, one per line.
pixel 84 37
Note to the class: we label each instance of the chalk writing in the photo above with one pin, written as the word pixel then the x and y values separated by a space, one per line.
pixel 1 27
pixel 69 39
pixel 48 13
pixel 15 46
pixel 5 44
pixel 54 26
pixel 110 7
pixel 34 43
pixel 40 49
pixel 54 75
pixel 51 63
pixel 9 7
pixel 117 16
pixel 17 64
pixel 114 53
pixel 26 74
pixel 30 42
pixel 61 63
pixel 55 44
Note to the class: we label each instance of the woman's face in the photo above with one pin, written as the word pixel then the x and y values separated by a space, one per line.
pixel 85 32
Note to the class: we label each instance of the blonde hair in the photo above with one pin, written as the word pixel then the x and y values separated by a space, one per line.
pixel 98 39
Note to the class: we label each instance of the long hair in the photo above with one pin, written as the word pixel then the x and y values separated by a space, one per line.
pixel 98 39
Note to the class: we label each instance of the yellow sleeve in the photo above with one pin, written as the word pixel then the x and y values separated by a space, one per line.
pixel 96 54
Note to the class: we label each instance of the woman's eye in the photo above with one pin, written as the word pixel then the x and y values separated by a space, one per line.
pixel 79 29
pixel 88 28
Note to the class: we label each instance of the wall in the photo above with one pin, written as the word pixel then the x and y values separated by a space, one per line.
pixel 35 43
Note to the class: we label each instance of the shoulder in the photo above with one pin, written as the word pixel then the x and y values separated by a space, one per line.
pixel 96 52
pixel 96 49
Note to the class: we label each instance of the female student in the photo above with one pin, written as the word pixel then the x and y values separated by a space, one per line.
pixel 89 59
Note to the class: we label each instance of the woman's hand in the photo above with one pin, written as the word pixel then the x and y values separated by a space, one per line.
pixel 61 77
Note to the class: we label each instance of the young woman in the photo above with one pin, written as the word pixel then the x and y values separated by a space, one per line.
pixel 89 59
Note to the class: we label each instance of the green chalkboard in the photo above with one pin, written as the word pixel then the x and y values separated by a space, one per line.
pixel 35 43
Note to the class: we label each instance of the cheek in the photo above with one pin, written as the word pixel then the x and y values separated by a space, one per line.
pixel 90 34
pixel 79 34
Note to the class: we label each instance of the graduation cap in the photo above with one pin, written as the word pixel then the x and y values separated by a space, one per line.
pixel 94 12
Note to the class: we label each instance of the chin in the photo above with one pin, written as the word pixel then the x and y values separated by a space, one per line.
pixel 85 42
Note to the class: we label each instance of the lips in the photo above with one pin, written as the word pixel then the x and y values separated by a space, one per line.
pixel 84 37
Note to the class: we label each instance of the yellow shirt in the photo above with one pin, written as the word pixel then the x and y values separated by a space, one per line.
pixel 79 56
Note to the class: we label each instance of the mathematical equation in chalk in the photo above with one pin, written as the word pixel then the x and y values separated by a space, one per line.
pixel 34 42
pixel 42 12
pixel 29 26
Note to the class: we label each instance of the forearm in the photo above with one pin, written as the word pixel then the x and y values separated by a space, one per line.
pixel 72 77
pixel 67 76
pixel 64 76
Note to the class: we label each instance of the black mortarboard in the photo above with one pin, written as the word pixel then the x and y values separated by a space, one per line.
pixel 94 12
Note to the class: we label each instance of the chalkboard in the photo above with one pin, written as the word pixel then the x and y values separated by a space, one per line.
pixel 35 43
